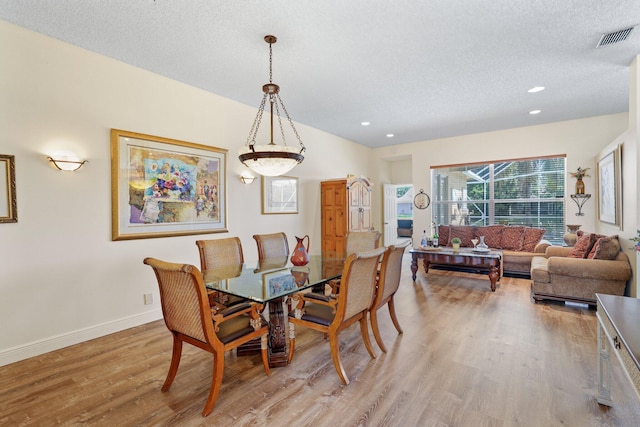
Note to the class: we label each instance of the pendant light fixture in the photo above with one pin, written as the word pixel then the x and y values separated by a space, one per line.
pixel 271 159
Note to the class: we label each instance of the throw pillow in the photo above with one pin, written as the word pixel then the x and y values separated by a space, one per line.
pixel 512 237
pixel 443 235
pixel 592 251
pixel 463 232
pixel 492 235
pixel 583 246
pixel 532 237
pixel 607 248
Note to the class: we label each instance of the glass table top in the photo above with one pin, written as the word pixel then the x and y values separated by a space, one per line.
pixel 271 279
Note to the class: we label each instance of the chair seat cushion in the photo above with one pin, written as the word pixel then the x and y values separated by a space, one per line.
pixel 235 328
pixel 316 313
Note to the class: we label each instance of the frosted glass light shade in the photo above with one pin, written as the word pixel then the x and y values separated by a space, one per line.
pixel 271 159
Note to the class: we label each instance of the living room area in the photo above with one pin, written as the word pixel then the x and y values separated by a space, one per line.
pixel 82 343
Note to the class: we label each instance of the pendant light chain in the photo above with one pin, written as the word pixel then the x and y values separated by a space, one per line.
pixel 271 159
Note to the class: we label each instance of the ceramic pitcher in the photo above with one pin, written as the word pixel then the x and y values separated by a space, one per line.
pixel 300 254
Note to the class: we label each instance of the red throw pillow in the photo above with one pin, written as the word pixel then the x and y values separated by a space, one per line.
pixel 463 232
pixel 583 246
pixel 492 235
pixel 592 251
pixel 443 235
pixel 512 237
pixel 532 237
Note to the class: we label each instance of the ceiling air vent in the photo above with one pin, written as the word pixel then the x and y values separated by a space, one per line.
pixel 615 37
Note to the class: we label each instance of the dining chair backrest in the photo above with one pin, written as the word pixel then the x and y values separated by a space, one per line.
pixel 390 270
pixel 358 283
pixel 360 241
pixel 272 246
pixel 217 253
pixel 184 301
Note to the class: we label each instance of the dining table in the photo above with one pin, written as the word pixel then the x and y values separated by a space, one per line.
pixel 271 282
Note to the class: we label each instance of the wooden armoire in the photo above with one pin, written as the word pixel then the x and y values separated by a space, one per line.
pixel 346 206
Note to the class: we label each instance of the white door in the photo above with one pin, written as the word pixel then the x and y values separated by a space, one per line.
pixel 390 216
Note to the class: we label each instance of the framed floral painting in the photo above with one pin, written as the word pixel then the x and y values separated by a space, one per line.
pixel 163 187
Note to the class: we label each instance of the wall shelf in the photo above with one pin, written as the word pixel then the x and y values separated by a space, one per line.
pixel 580 200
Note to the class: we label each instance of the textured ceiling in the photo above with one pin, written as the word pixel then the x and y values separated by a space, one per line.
pixel 418 69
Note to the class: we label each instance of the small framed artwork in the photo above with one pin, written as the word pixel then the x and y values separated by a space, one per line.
pixel 163 187
pixel 609 188
pixel 278 282
pixel 8 205
pixel 279 195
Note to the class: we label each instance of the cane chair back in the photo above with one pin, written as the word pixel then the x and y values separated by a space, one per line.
pixel 220 252
pixel 357 241
pixel 361 241
pixel 388 283
pixel 272 246
pixel 187 314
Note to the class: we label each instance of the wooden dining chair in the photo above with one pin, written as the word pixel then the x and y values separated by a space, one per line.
pixel 357 241
pixel 221 253
pixel 331 315
pixel 272 246
pixel 388 283
pixel 190 319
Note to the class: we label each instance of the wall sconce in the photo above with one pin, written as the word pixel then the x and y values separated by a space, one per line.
pixel 66 161
pixel 247 179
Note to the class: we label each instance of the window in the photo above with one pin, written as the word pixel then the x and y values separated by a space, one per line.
pixel 516 192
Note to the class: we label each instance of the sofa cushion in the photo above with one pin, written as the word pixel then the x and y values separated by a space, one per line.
pixel 606 248
pixel 539 272
pixel 463 232
pixel 443 234
pixel 492 235
pixel 583 246
pixel 512 237
pixel 532 237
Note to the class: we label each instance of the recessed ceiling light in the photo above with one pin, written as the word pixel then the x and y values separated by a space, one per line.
pixel 536 89
pixel 534 112
pixel 389 135
pixel 365 123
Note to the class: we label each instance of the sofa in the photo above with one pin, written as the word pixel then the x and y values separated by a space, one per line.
pixel 595 264
pixel 519 244
pixel 405 228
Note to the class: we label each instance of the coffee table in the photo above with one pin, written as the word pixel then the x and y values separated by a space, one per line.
pixel 490 262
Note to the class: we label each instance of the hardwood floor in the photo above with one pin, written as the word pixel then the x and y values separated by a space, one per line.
pixel 468 357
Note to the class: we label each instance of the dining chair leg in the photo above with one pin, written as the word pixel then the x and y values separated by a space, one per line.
pixel 175 362
pixel 392 313
pixel 265 354
pixel 364 330
pixel 376 330
pixel 292 341
pixel 335 356
pixel 216 383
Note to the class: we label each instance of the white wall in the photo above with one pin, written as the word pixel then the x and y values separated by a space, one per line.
pixel 63 279
pixel 581 140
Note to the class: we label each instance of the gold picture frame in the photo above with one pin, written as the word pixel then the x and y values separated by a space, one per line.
pixel 8 203
pixel 609 178
pixel 279 195
pixel 163 187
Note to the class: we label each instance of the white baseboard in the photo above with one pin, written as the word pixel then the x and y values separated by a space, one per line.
pixel 57 342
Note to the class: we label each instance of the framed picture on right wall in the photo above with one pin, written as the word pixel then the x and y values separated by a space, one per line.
pixel 609 188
